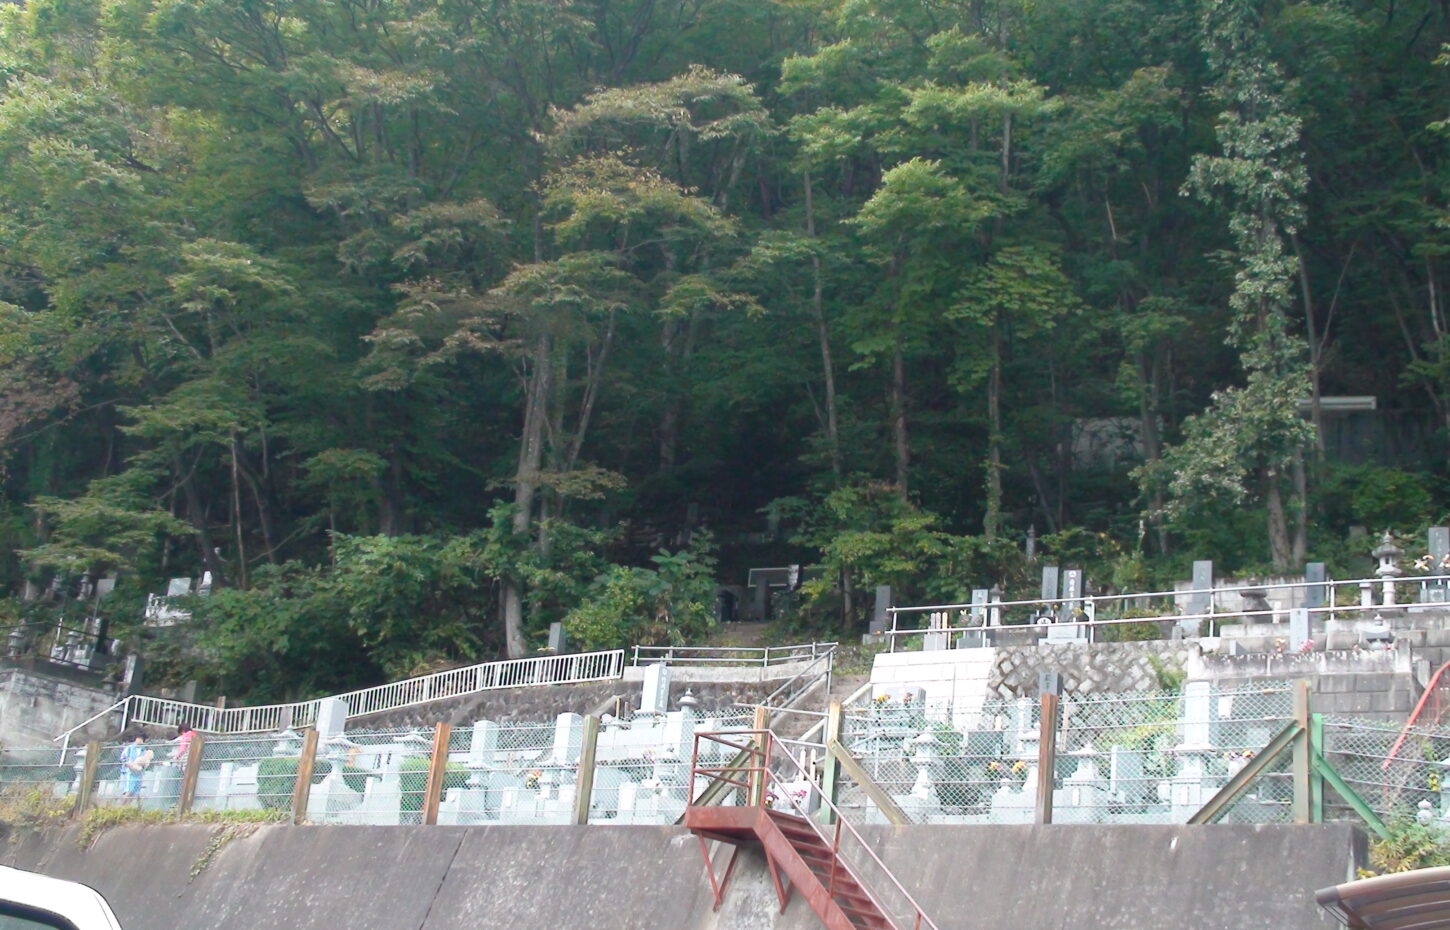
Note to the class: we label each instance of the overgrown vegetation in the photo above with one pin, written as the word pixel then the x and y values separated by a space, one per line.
pixel 1411 845
pixel 421 325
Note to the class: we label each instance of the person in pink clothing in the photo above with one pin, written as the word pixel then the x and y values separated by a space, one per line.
pixel 184 735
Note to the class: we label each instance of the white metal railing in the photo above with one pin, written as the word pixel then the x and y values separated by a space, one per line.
pixel 506 673
pixel 804 681
pixel 987 618
pixel 729 655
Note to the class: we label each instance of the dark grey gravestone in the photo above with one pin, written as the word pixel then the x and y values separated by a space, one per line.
pixel 1071 587
pixel 879 613
pixel 1317 592
pixel 558 641
pixel 1049 582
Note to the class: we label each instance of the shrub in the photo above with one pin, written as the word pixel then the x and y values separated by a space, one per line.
pixel 277 779
pixel 413 781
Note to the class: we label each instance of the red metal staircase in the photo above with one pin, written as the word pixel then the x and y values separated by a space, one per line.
pixel 801 854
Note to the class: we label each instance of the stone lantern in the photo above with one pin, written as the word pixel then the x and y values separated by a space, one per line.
pixel 1389 569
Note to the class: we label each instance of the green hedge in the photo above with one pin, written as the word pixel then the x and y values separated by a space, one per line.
pixel 277 779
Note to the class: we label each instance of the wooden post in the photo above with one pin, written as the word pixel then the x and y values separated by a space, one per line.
pixel 437 768
pixel 188 775
pixel 88 777
pixel 1046 755
pixel 584 781
pixel 302 791
pixel 757 777
pixel 830 765
pixel 1300 766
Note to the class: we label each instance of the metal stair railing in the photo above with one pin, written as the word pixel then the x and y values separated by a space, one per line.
pixel 750 769
pixel 486 676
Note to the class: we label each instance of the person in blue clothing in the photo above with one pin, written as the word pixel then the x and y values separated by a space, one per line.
pixel 135 757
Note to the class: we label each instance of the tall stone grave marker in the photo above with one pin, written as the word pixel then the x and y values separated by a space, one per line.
pixel 1201 601
pixel 976 617
pixel 880 613
pixel 1437 592
pixel 1298 628
pixel 1071 588
pixel 1062 632
pixel 655 698
pixel 1317 592
pixel 1049 583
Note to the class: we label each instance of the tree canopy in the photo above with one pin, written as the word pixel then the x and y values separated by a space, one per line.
pixel 421 324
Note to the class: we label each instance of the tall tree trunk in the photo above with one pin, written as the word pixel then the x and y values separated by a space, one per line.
pixel 823 337
pixel 196 516
pixel 1149 370
pixel 526 485
pixel 237 516
pixel 901 441
pixel 1281 552
pixel 1300 505
pixel 992 520
pixel 1316 352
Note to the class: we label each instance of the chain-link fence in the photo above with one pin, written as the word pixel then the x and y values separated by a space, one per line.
pixel 39 777
pixel 520 773
pixel 247 772
pixel 1136 757
pixel 138 772
pixel 1393 780
pixel 371 777
pixel 642 765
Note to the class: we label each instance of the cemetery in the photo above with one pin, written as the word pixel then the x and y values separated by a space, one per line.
pixel 1249 705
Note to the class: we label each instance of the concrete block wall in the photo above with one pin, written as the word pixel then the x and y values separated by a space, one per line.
pixel 633 878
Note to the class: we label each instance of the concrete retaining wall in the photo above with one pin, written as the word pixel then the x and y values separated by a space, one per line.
pixel 652 878
pixel 35 707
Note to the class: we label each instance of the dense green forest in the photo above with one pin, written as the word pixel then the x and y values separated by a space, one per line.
pixel 420 324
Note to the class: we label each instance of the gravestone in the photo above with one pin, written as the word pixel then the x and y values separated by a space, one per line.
pixel 105 586
pixel 1298 629
pixel 880 615
pixel 979 606
pixel 1437 592
pixel 331 717
pixel 976 616
pixel 558 641
pixel 568 738
pixel 655 698
pixel 1049 583
pixel 178 587
pixel 1201 600
pixel 131 675
pixel 1316 594
pixel 1071 588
